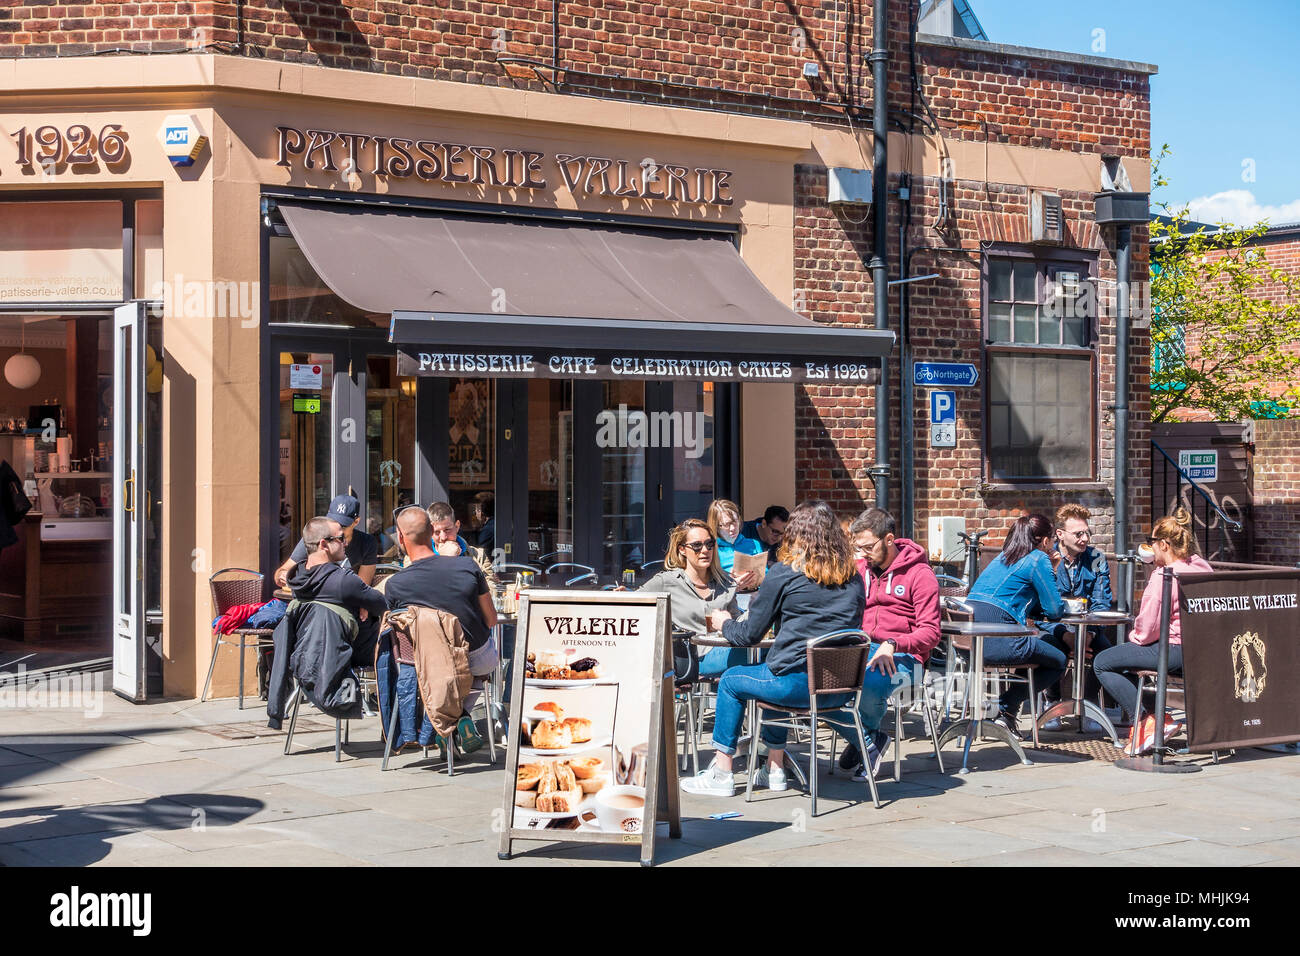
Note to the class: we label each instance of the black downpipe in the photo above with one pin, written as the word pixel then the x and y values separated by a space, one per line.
pixel 239 28
pixel 1123 238
pixel 879 257
pixel 555 39
pixel 907 411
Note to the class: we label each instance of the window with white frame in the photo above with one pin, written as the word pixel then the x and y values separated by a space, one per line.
pixel 1040 363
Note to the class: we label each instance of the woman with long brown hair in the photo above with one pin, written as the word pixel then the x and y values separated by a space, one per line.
pixel 1172 545
pixel 813 589
pixel 1019 580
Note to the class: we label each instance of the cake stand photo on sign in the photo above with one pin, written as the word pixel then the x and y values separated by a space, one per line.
pixel 566 667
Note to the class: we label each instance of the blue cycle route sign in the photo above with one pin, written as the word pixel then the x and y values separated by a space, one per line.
pixel 952 374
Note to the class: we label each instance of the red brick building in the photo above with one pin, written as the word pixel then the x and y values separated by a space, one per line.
pixel 995 155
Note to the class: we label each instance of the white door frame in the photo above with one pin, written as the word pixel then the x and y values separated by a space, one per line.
pixel 130 493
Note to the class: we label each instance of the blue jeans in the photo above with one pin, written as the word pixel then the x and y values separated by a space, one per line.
pixel 720 659
pixel 757 682
pixel 1008 651
pixel 876 689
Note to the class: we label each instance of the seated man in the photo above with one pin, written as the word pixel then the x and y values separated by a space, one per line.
pixel 902 617
pixel 768 530
pixel 321 577
pixel 444 527
pixel 360 550
pixel 450 581
pixel 1081 572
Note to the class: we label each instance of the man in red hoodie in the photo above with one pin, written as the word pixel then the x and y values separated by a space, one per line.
pixel 902 617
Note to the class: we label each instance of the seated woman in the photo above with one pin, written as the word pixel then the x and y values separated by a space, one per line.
pixel 698 587
pixel 1174 546
pixel 814 589
pixel 1019 580
pixel 724 522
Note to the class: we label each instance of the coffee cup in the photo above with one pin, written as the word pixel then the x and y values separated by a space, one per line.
pixel 1076 605
pixel 618 809
pixel 1146 554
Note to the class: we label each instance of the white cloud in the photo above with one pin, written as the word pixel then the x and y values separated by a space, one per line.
pixel 1240 208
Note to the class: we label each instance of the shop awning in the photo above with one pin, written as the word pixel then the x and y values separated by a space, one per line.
pixel 531 298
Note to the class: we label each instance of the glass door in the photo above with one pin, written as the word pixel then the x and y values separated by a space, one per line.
pixel 390 451
pixel 304 453
pixel 132 507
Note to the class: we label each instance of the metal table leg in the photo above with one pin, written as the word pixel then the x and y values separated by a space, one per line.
pixel 974 726
pixel 1080 708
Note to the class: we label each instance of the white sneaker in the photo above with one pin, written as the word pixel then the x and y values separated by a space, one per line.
pixel 771 778
pixel 712 781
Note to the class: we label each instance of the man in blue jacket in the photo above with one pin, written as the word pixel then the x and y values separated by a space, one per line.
pixel 1081 571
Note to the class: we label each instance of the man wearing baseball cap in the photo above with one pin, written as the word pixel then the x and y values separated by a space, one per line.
pixel 360 550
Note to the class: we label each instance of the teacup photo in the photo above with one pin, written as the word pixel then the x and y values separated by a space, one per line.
pixel 618 809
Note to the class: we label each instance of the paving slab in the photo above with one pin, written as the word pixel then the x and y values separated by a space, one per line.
pixel 1223 827
pixel 1195 853
pixel 1094 832
pixel 86 849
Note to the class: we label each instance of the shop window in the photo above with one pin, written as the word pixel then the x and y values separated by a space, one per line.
pixel 299 296
pixel 61 251
pixel 1040 357
pixel 148 247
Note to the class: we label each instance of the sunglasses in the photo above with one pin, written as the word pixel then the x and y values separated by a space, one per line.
pixel 698 546
pixel 398 511
pixel 333 537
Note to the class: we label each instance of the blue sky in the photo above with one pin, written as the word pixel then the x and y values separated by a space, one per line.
pixel 1228 89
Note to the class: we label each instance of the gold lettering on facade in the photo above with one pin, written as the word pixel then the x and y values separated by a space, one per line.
pixel 319 141
pixel 452 152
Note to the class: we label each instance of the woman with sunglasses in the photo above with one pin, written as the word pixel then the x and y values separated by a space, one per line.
pixel 813 589
pixel 1171 545
pixel 698 586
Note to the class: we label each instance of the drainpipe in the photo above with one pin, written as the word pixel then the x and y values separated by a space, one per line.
pixel 879 264
pixel 1123 236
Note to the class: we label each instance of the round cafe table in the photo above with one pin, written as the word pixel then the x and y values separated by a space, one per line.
pixel 1076 706
pixel 975 725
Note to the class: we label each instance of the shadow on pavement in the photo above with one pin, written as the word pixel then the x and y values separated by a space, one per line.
pixel 97 824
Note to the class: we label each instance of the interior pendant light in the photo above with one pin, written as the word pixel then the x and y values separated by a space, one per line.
pixel 22 370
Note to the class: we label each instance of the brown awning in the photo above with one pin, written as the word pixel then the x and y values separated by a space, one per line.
pixel 498 296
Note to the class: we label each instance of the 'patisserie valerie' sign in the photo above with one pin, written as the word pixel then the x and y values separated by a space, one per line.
pixel 587 711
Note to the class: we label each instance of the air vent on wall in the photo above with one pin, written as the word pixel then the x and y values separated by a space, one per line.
pixel 1046 221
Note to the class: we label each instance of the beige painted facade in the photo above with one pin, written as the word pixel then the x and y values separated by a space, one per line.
pixel 211 216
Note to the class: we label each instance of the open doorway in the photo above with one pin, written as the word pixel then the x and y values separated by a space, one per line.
pixel 56 433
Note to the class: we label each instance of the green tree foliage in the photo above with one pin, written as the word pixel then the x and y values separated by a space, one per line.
pixel 1221 339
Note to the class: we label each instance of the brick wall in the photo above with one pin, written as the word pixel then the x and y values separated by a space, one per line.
pixel 751 55
pixel 1277 492
pixel 754 52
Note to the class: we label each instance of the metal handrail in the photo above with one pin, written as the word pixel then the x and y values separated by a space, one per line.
pixel 1232 523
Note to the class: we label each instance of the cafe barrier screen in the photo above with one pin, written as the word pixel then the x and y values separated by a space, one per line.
pixel 1241 657
pixel 591 751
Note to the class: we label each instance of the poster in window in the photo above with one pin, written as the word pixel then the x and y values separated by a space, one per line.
pixel 469 446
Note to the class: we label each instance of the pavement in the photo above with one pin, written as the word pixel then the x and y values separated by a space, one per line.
pixel 179 783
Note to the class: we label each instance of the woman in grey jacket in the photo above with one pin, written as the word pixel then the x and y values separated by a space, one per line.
pixel 698 586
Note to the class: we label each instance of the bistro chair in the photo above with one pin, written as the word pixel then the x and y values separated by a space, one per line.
pixel 958 609
pixel 232 587
pixel 686 675
pixel 897 699
pixel 835 670
pixel 340 725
